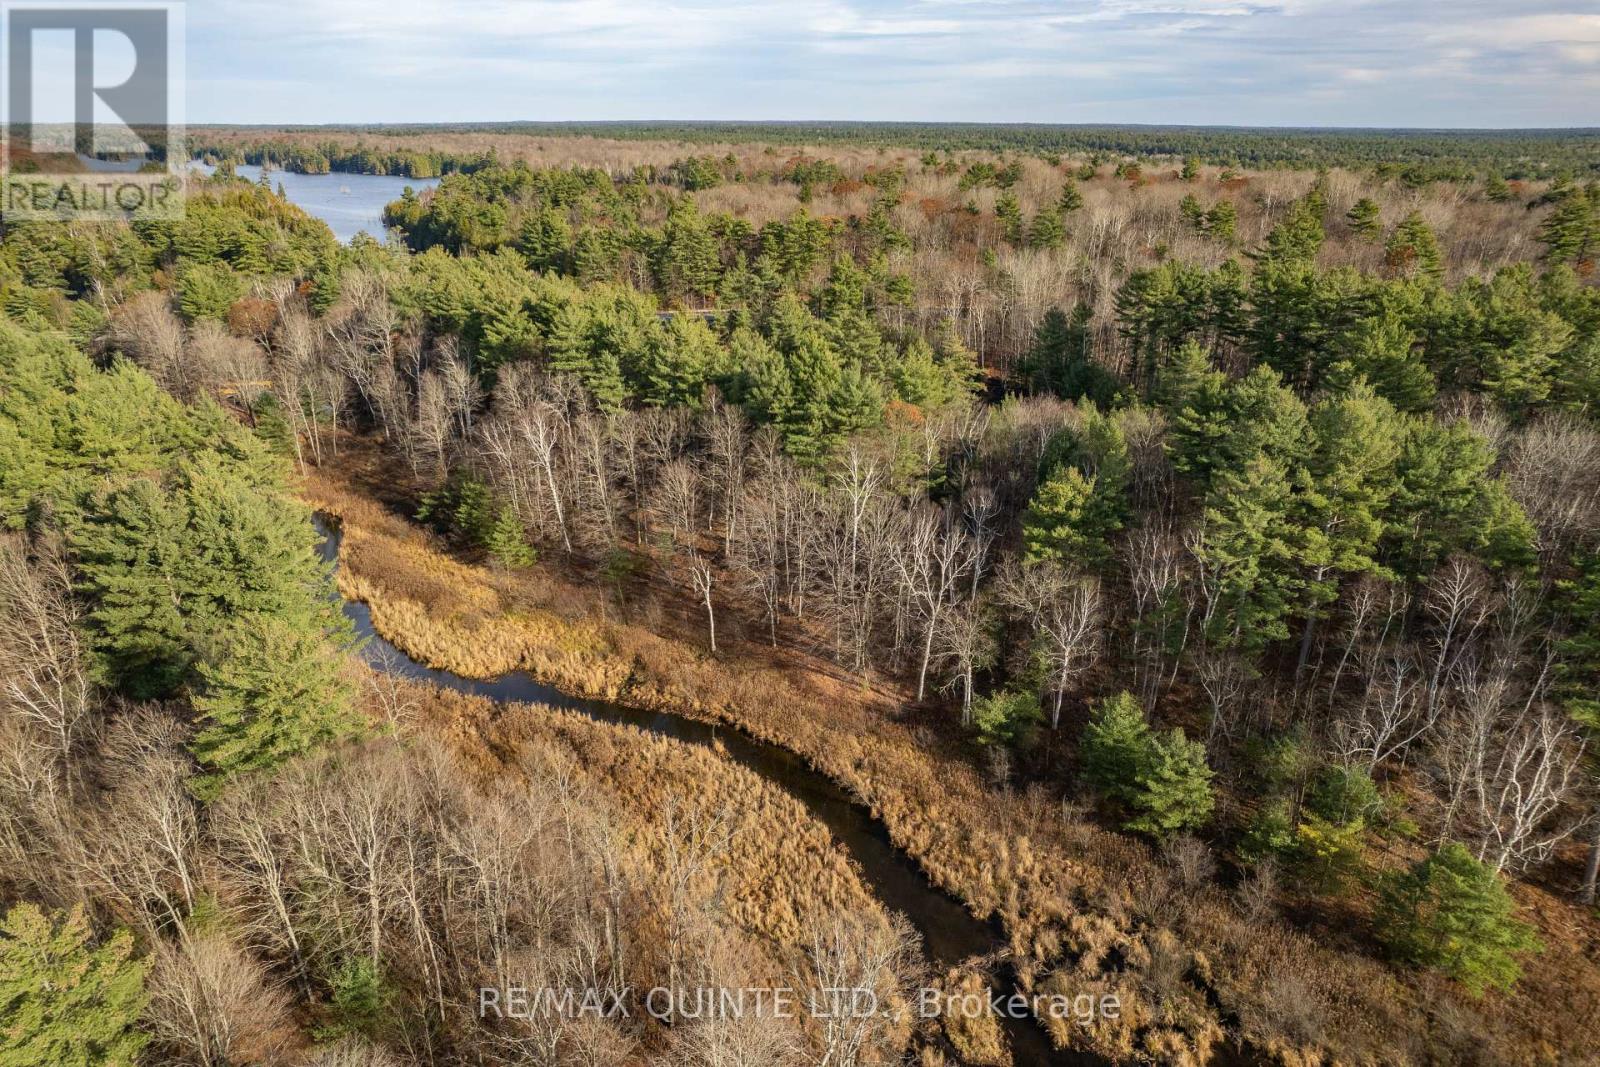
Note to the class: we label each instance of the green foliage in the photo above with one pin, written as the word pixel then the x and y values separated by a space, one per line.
pixel 1453 913
pixel 1006 718
pixel 1222 221
pixel 166 565
pixel 208 290
pixel 269 691
pixel 1008 212
pixel 1065 520
pixel 461 507
pixel 1254 549
pixel 1412 250
pixel 1344 795
pixel 1571 232
pixel 1047 230
pixel 507 542
pixel 358 1002
pixel 1061 360
pixel 1364 219
pixel 1071 198
pixel 1296 240
pixel 1161 781
pixel 64 1000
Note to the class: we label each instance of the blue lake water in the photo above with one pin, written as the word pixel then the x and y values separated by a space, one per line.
pixel 348 203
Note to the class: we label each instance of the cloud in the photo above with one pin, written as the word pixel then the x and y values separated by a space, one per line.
pixel 1357 62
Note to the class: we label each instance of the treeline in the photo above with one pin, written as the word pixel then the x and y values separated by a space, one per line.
pixel 1424 154
pixel 332 157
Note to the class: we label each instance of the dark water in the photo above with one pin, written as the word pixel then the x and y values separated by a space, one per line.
pixel 348 203
pixel 949 932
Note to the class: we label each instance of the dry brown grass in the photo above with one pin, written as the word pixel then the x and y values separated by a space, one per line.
pixel 1085 910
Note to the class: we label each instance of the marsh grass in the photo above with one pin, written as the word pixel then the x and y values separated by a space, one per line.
pixel 1084 910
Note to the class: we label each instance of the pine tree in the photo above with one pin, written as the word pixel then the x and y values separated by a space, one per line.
pixel 1172 787
pixel 1189 207
pixel 546 240
pixel 1222 221
pixel 1254 550
pixel 1062 521
pixel 1298 238
pixel 64 1000
pixel 1006 718
pixel 1162 782
pixel 672 368
pixel 1412 250
pixel 268 693
pixel 1453 913
pixel 166 567
pixel 1115 745
pixel 1382 350
pixel 1009 213
pixel 1047 231
pixel 1364 219
pixel 1349 480
pixel 1572 231
pixel 1070 200
pixel 507 542
pixel 1191 169
pixel 1496 189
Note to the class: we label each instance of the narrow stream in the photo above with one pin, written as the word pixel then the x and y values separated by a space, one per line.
pixel 949 932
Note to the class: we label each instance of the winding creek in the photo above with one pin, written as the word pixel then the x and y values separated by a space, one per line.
pixel 949 932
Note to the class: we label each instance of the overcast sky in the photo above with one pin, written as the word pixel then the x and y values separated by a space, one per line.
pixel 1293 62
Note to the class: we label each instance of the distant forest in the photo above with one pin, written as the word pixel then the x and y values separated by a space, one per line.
pixel 1419 155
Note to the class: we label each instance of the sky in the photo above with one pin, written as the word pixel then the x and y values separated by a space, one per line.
pixel 1431 63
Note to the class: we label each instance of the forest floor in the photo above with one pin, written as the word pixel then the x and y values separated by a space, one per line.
pixel 1085 910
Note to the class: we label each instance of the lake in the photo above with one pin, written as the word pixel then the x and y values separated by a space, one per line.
pixel 348 203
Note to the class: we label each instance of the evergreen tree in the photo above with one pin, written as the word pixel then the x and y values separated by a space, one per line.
pixel 1447 501
pixel 1412 250
pixel 507 542
pixel 1173 787
pixel 1191 169
pixel 672 368
pixel 1495 189
pixel 1453 913
pixel 1115 745
pixel 1382 350
pixel 1006 718
pixel 1068 520
pixel 1009 214
pixel 1571 233
pixel 1047 231
pixel 166 567
pixel 1060 360
pixel 1070 200
pixel 269 692
pixel 546 240
pixel 65 1001
pixel 1254 551
pixel 1189 207
pixel 1350 478
pixel 1161 781
pixel 1222 221
pixel 1298 238
pixel 1364 219
pixel 688 261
